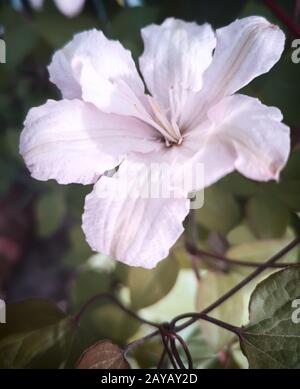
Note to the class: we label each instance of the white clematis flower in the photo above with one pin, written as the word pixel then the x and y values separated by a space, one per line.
pixel 69 8
pixel 193 115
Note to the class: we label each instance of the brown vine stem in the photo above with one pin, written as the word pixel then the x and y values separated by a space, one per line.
pixel 284 17
pixel 114 300
pixel 196 315
pixel 199 253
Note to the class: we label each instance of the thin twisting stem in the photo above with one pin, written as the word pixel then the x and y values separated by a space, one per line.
pixel 185 349
pixel 241 284
pixel 176 353
pixel 165 341
pixel 114 300
pixel 199 253
pixel 284 17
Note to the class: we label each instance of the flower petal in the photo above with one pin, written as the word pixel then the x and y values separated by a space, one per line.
pixel 132 228
pixel 175 57
pixel 245 49
pixel 260 140
pixel 36 4
pixel 100 71
pixel 74 142
pixel 70 8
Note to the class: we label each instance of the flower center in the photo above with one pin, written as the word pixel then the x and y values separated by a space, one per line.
pixel 168 128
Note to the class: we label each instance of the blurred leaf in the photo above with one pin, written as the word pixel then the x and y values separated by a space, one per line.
pixel 238 185
pixel 240 234
pixel 50 212
pixel 285 92
pixel 218 13
pixel 65 28
pixel 260 251
pixel 220 212
pixel 149 286
pixel 79 250
pixel 179 300
pixel 12 139
pixel 256 7
pixel 289 193
pixel 148 354
pixel 267 216
pixel 292 172
pixel 202 355
pixel 127 24
pixel 34 329
pixel 211 287
pixel 19 37
pixel 103 355
pixel 87 284
pixel 109 321
pixel 272 340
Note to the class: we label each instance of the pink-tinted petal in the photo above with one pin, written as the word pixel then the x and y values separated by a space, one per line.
pixel 100 71
pixel 175 57
pixel 245 49
pixel 261 141
pixel 133 229
pixel 72 141
pixel 70 8
pixel 36 4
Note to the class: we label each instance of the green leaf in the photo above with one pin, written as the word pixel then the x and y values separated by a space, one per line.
pixel 260 251
pixel 19 37
pixel 79 250
pixel 37 334
pixel 289 193
pixel 65 28
pixel 272 339
pixel 50 212
pixel 103 355
pixel 109 321
pixel 127 24
pixel 220 212
pixel 179 300
pixel 238 185
pixel 211 287
pixel 267 216
pixel 88 282
pixel 284 93
pixel 149 286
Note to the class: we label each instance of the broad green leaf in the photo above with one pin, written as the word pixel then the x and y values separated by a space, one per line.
pixel 51 210
pixel 260 251
pixel 149 286
pixel 272 339
pixel 103 355
pixel 179 300
pixel 37 334
pixel 110 322
pixel 267 216
pixel 220 212
pixel 211 287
